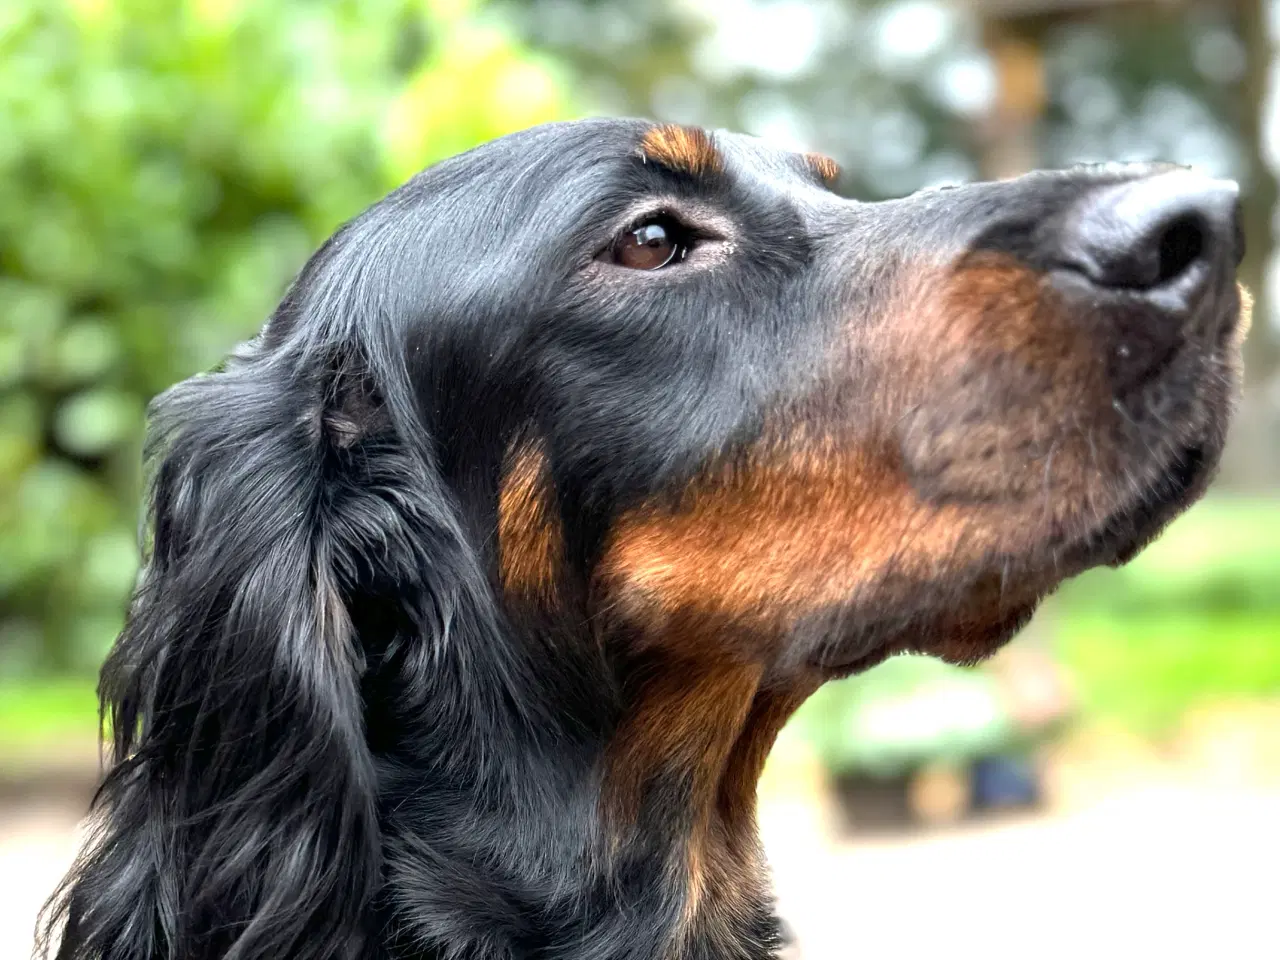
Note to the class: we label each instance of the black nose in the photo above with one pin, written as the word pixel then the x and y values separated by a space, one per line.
pixel 1156 232
pixel 1156 254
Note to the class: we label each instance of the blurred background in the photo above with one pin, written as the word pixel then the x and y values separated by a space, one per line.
pixel 1110 784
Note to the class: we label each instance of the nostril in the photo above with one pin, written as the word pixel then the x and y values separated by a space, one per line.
pixel 1146 258
pixel 1181 245
pixel 1149 234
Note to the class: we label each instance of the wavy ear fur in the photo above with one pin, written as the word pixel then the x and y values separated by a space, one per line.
pixel 239 818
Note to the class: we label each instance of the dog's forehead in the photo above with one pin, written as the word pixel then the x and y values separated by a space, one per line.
pixel 698 151
pixel 759 158
pixel 688 148
pixel 573 154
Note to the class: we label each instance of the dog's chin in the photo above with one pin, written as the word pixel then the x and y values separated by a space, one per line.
pixel 965 618
pixel 1143 516
pixel 958 641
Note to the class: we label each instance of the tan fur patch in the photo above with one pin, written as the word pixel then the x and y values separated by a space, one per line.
pixel 530 540
pixel 1246 313
pixel 685 719
pixel 705 718
pixel 770 711
pixel 1009 396
pixel 683 149
pixel 778 540
pixel 826 168
pixel 725 862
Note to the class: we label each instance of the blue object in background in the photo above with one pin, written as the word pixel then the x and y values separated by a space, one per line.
pixel 1004 781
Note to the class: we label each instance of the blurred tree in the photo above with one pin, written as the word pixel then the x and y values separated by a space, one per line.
pixel 165 167
pixel 888 87
pixel 903 92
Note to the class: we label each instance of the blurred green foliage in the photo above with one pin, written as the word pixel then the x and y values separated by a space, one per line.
pixel 1221 557
pixel 54 710
pixel 165 168
pixel 907 711
pixel 1194 619
pixel 1146 672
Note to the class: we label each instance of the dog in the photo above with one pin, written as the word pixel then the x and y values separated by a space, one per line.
pixel 478 585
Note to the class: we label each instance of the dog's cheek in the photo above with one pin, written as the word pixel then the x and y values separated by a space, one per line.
pixel 758 552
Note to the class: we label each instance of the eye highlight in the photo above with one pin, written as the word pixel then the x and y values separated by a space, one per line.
pixel 653 244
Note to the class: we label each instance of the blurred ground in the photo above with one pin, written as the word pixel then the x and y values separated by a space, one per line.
pixel 37 842
pixel 1169 870
pixel 1143 852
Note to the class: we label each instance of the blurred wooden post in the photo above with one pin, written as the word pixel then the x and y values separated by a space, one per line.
pixel 1013 33
pixel 1009 134
pixel 1261 350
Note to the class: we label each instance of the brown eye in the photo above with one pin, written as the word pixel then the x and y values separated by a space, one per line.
pixel 651 245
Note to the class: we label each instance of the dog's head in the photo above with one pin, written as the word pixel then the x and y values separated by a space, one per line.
pixel 653 421
pixel 738 409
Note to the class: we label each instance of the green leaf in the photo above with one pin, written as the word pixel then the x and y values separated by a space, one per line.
pixel 86 349
pixel 91 423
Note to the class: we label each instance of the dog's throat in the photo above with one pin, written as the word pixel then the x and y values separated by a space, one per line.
pixel 685 762
pixel 694 727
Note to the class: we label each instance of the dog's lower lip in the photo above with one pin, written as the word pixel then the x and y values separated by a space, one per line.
pixel 1115 539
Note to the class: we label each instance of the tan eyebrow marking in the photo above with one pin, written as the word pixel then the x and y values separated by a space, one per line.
pixel 684 149
pixel 824 167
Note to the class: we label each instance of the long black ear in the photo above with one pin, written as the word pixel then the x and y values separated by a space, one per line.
pixel 239 820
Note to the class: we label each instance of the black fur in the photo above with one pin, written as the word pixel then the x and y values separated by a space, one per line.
pixel 333 737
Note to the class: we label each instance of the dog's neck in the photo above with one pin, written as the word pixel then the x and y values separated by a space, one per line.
pixel 685 758
pixel 591 793
pixel 615 819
